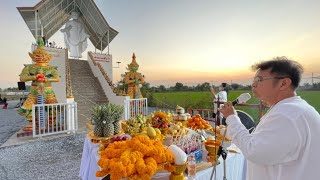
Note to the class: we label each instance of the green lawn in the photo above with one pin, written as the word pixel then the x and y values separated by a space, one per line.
pixel 204 100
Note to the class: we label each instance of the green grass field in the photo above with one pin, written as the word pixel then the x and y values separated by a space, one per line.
pixel 204 100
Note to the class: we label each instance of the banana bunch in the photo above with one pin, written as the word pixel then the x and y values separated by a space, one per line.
pixel 136 124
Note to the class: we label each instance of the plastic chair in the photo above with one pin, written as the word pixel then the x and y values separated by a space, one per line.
pixel 246 120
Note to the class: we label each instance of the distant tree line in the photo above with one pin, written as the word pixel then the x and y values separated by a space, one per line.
pixel 307 86
pixel 14 89
pixel 181 87
pixel 146 87
pixel 147 90
pixel 206 87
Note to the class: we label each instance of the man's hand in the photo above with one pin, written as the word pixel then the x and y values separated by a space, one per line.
pixel 212 90
pixel 66 29
pixel 227 109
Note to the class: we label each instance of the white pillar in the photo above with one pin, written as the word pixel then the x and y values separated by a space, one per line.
pixel 108 39
pixel 36 25
pixel 70 115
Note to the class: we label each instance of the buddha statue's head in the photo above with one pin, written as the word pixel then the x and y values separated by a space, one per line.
pixel 40 55
pixel 133 66
pixel 74 15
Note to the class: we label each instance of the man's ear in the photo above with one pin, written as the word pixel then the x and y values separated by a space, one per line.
pixel 285 83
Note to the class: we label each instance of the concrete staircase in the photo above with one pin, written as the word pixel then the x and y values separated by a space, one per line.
pixel 86 89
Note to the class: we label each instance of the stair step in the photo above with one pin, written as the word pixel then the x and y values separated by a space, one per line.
pixel 86 89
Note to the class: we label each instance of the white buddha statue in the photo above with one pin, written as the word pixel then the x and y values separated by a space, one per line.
pixel 75 38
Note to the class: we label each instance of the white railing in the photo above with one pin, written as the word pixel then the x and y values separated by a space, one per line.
pixel 49 119
pixel 107 89
pixel 206 114
pixel 134 107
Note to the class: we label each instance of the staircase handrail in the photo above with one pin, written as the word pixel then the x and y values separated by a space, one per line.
pixel 68 78
pixel 105 75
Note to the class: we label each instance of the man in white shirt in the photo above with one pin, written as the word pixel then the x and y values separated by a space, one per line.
pixel 285 144
pixel 218 98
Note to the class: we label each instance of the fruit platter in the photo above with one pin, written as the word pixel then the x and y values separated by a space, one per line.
pixel 139 147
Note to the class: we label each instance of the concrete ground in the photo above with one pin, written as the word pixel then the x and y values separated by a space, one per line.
pixel 10 121
pixel 27 158
pixel 45 159
pixel 53 157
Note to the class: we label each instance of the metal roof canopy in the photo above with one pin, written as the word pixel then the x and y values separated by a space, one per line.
pixel 48 16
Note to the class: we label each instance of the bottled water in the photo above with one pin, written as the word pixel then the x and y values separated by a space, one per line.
pixel 192 167
pixel 205 157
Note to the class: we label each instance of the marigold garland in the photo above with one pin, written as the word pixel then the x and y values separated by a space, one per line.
pixel 137 158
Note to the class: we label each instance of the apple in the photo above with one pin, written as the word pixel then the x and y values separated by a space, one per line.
pixel 118 138
pixel 41 79
pixel 125 137
pixel 40 76
pixel 113 139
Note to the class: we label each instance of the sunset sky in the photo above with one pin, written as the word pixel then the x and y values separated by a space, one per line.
pixel 185 40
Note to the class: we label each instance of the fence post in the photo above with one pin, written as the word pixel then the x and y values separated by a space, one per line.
pixel 126 109
pixel 33 120
pixel 70 112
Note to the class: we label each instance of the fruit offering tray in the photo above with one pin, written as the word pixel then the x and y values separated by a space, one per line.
pixel 104 140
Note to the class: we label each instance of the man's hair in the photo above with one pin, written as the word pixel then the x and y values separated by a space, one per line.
pixel 283 67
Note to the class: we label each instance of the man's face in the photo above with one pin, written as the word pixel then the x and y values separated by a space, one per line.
pixel 266 86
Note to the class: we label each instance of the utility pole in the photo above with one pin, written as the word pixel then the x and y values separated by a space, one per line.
pixel 312 79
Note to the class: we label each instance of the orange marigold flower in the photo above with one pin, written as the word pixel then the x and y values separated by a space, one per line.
pixel 101 173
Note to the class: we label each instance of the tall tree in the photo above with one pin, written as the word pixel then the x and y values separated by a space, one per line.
pixel 178 86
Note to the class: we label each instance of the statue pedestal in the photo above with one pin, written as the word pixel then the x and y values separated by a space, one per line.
pixel 28 128
pixel 49 128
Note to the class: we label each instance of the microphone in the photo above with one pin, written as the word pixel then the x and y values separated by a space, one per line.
pixel 242 99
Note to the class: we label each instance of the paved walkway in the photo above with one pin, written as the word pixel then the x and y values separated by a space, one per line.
pixel 10 122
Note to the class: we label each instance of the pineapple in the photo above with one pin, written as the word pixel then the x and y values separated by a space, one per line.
pixel 97 118
pixel 116 116
pixel 110 119
pixel 98 130
pixel 108 129
pixel 117 127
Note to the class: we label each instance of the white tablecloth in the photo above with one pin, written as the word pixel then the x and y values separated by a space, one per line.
pixel 235 166
pixel 89 161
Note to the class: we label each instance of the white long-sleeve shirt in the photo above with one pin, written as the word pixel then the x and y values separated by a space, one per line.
pixel 285 144
pixel 222 97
